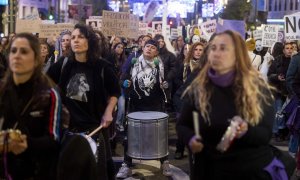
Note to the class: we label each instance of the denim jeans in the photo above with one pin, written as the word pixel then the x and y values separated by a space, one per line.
pixel 294 143
pixel 277 105
pixel 121 110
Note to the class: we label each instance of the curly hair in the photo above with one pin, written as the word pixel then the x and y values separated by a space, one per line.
pixel 191 51
pixel 249 86
pixel 93 45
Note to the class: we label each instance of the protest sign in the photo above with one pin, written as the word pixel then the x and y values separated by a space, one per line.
pixel 53 30
pixel 157 27
pixel 269 34
pixel 121 24
pixel 174 33
pixel 179 30
pixel 257 34
pixel 280 36
pixel 208 28
pixel 143 28
pixel 292 27
pixel 31 26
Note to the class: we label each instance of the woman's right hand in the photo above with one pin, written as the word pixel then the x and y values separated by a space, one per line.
pixel 18 146
pixel 195 144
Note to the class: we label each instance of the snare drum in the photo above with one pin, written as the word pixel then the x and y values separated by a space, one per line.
pixel 147 135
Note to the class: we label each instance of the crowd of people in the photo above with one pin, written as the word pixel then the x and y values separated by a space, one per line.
pixel 61 104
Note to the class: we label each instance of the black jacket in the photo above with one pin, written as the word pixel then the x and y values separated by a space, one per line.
pixel 279 66
pixel 246 157
pixel 37 113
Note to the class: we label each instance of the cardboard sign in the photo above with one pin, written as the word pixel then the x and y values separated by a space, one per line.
pixel 24 25
pixel 269 34
pixel 292 27
pixel 208 28
pixel 143 29
pixel 120 24
pixel 53 30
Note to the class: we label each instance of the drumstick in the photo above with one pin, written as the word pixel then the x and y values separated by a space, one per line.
pixel 196 124
pixel 95 131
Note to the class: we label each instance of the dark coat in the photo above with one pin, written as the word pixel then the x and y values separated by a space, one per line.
pixel 37 113
pixel 246 157
pixel 279 66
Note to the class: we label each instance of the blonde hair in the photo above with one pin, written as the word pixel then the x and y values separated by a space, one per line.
pixel 248 85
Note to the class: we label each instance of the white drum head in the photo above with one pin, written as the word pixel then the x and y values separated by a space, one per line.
pixel 147 115
pixel 92 143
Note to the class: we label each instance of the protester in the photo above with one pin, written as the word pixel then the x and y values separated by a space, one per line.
pixel 90 90
pixel 229 88
pixel 146 83
pixel 63 45
pixel 30 104
pixel 277 77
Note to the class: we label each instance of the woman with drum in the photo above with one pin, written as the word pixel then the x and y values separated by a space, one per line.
pixel 146 84
pixel 232 109
pixel 90 89
pixel 31 115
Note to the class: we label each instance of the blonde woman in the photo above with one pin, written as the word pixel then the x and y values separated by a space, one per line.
pixel 228 91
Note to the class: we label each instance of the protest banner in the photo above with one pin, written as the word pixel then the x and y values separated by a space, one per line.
pixel 269 34
pixel 53 30
pixel 31 26
pixel 121 24
pixel 292 27
pixel 208 28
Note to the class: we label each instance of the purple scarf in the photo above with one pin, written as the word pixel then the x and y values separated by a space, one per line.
pixel 223 80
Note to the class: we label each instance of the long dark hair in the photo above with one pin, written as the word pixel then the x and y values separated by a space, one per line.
pixel 93 45
pixel 122 58
pixel 103 44
pixel 38 77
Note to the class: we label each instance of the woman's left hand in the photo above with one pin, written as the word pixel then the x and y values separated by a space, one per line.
pixel 106 120
pixel 242 126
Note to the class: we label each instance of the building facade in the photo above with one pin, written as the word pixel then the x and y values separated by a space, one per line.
pixel 279 8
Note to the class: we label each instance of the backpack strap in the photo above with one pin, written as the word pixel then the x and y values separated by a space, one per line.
pixel 64 64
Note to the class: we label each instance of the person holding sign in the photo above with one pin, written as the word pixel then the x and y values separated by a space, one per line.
pixel 31 115
pixel 235 108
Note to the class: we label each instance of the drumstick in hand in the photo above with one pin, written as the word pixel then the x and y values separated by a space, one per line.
pixel 95 131
pixel 196 124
